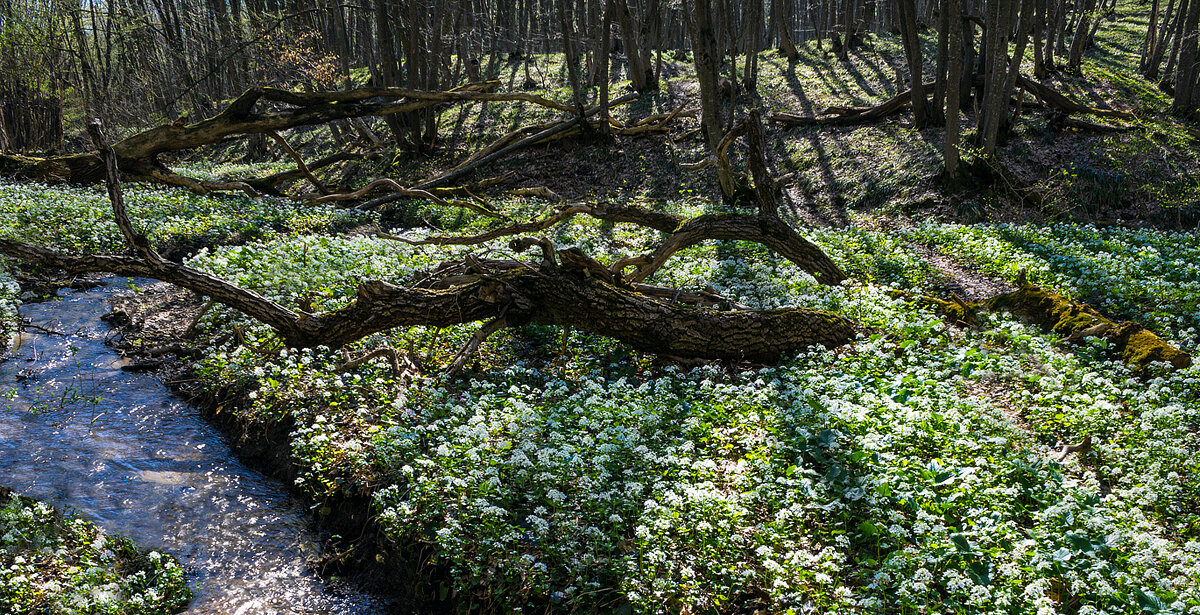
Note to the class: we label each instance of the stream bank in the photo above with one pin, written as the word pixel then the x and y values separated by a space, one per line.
pixel 81 430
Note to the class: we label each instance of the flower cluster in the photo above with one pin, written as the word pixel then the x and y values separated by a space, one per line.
pixel 50 563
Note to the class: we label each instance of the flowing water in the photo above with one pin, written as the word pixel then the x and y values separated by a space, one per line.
pixel 117 447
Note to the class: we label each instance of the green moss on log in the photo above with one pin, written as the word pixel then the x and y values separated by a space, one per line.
pixel 1136 346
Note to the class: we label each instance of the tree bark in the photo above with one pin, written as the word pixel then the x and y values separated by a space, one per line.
pixel 781 19
pixel 1079 42
pixel 912 52
pixel 707 60
pixel 520 294
pixel 1185 77
pixel 954 70
pixel 138 154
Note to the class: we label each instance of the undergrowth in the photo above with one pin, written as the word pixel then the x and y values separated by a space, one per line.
pixel 53 563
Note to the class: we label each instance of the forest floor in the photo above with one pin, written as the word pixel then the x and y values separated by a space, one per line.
pixel 43 550
pixel 1147 175
pixel 913 471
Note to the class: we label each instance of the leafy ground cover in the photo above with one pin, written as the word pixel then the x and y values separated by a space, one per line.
pixel 178 221
pixel 911 472
pixel 53 563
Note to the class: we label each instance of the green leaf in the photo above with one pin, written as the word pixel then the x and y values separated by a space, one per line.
pixel 961 543
pixel 1081 542
pixel 1150 603
pixel 980 572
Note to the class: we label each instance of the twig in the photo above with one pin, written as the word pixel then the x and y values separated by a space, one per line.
pixel 241 338
pixel 405 373
pixel 196 321
pixel 473 344
pixel 299 162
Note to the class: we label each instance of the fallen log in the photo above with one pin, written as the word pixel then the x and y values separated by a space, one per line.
pixel 525 295
pixel 138 155
pixel 270 184
pixel 501 293
pixel 494 152
pixel 1059 122
pixel 402 191
pixel 847 116
pixel 1132 342
pixel 1054 99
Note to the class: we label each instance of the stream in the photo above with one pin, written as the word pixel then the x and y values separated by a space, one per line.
pixel 123 452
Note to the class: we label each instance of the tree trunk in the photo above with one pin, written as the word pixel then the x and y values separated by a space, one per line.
pixel 1156 50
pixel 604 53
pixel 781 19
pixel 639 72
pixel 954 15
pixel 912 52
pixel 707 61
pixel 1079 43
pixel 1185 77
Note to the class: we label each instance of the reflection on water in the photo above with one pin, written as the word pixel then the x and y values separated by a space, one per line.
pixel 77 431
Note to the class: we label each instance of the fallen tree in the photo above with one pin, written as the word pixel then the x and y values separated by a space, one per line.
pixel 268 111
pixel 853 116
pixel 566 288
pixel 138 155
pixel 762 228
pixel 1130 341
pixel 1136 346
pixel 848 116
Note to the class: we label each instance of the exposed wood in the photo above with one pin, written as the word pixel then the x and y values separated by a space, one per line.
pixel 526 295
pixel 508 293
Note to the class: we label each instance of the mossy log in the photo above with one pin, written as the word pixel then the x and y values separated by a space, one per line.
pixel 1136 346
